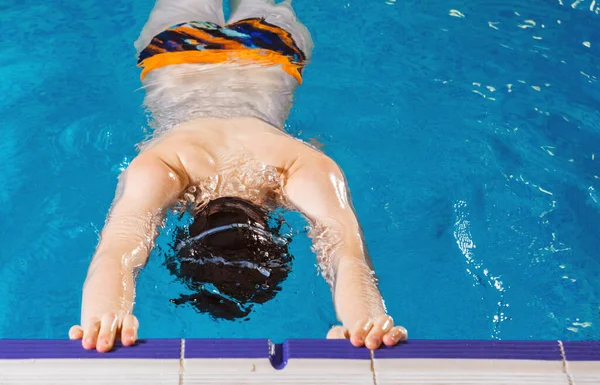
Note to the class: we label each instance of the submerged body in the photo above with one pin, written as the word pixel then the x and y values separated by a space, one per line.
pixel 218 133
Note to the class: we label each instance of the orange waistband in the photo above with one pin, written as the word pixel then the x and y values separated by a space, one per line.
pixel 241 56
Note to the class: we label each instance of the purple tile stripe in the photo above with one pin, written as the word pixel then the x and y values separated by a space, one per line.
pixel 324 349
pixel 226 348
pixel 279 355
pixel 56 349
pixel 582 350
pixel 318 349
pixel 462 349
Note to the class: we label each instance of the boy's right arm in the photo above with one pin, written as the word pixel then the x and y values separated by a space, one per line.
pixel 145 192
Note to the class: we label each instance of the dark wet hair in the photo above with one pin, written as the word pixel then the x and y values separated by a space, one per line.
pixel 231 258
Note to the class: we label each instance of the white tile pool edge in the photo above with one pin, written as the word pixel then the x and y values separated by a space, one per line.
pixel 101 369
pixel 299 371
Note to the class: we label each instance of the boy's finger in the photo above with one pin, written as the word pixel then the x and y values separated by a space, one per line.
pixel 337 333
pixel 90 334
pixel 397 334
pixel 129 330
pixel 76 332
pixel 108 332
pixel 360 331
pixel 382 325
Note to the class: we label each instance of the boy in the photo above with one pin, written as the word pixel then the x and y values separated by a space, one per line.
pixel 219 95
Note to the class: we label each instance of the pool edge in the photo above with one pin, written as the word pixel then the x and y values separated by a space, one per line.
pixel 199 361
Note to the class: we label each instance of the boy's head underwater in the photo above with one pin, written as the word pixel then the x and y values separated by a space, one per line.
pixel 230 258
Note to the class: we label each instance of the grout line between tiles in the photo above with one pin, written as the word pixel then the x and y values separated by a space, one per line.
pixel 565 363
pixel 181 358
pixel 372 356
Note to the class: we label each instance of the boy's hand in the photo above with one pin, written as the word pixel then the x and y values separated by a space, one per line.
pixel 100 334
pixel 371 333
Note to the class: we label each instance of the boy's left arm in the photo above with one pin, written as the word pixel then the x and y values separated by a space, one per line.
pixel 316 186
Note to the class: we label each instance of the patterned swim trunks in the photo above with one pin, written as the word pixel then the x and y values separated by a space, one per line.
pixel 248 41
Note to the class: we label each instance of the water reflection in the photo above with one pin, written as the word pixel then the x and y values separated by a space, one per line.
pixel 481 275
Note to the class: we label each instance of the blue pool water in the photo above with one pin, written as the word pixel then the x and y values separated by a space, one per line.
pixel 469 132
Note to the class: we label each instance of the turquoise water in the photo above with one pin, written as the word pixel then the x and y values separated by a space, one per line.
pixel 469 133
